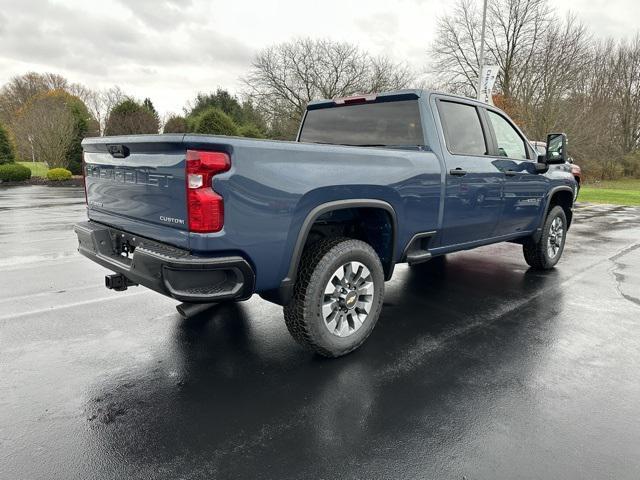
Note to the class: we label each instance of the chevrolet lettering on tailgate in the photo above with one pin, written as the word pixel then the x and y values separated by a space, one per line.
pixel 129 175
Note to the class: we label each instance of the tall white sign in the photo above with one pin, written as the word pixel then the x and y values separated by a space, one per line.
pixel 489 74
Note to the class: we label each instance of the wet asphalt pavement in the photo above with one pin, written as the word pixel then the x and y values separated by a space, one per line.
pixel 478 368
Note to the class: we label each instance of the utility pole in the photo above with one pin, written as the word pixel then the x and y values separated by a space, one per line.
pixel 481 56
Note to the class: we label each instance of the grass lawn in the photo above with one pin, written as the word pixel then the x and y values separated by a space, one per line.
pixel 618 192
pixel 38 169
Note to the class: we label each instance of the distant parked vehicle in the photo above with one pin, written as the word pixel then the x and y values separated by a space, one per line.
pixel 576 171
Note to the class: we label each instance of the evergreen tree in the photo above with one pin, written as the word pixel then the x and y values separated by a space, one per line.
pixel 7 154
pixel 130 117
pixel 215 122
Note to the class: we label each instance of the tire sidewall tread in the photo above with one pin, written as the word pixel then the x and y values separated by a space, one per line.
pixel 535 253
pixel 303 315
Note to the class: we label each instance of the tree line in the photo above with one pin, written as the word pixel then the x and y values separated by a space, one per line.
pixel 44 116
pixel 554 76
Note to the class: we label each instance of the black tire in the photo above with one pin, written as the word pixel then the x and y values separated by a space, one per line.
pixel 536 253
pixel 303 315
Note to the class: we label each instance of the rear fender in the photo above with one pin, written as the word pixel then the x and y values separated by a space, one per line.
pixel 283 294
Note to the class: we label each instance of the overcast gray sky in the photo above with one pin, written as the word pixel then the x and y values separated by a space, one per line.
pixel 171 49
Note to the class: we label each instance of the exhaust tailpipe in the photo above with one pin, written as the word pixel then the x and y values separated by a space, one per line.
pixel 188 310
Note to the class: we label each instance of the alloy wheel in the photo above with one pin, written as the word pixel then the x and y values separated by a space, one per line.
pixel 347 299
pixel 556 235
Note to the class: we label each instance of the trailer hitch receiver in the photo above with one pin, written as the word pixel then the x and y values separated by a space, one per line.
pixel 118 282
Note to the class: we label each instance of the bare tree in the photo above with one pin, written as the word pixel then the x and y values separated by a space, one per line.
pixel 627 77
pixel 513 32
pixel 455 53
pixel 20 89
pixel 46 128
pixel 601 112
pixel 386 75
pixel 553 76
pixel 101 102
pixel 562 57
pixel 285 77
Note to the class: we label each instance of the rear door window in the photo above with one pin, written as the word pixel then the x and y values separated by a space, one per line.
pixel 462 128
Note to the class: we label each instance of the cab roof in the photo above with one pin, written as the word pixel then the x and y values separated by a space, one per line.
pixel 407 94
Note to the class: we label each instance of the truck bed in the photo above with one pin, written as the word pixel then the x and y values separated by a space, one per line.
pixel 268 191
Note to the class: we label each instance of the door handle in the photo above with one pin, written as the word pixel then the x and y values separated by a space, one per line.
pixel 457 172
pixel 510 173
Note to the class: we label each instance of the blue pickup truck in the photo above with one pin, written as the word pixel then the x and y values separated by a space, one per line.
pixel 317 225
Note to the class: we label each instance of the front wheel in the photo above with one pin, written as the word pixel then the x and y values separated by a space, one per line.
pixel 337 296
pixel 546 252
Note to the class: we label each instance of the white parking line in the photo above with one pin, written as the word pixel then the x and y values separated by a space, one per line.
pixel 40 263
pixel 53 293
pixel 70 305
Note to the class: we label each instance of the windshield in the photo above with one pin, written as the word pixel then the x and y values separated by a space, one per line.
pixel 382 124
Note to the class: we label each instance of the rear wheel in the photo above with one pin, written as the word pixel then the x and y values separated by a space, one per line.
pixel 337 297
pixel 546 252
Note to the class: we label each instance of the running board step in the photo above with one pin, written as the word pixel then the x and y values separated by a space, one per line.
pixel 417 251
pixel 418 256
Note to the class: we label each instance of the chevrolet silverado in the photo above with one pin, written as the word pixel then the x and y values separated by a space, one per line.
pixel 318 225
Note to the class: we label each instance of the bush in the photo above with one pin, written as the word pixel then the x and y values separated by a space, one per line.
pixel 132 118
pixel 215 122
pixel 13 172
pixel 176 125
pixel 7 154
pixel 75 166
pixel 58 174
pixel 250 131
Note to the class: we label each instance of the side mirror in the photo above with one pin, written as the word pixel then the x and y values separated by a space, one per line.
pixel 556 148
pixel 541 166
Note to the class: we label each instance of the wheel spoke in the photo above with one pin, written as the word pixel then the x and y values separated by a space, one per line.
pixel 332 324
pixel 365 289
pixel 363 306
pixel 328 308
pixel 348 273
pixel 343 326
pixel 364 276
pixel 330 289
pixel 355 320
pixel 357 272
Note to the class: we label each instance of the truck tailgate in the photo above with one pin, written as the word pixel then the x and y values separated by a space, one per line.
pixel 138 184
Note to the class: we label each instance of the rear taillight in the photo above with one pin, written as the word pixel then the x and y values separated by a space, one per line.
pixel 204 206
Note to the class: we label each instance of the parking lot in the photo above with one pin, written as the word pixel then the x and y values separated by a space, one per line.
pixel 479 368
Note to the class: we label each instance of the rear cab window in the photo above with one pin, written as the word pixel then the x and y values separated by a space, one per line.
pixel 376 124
pixel 462 128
